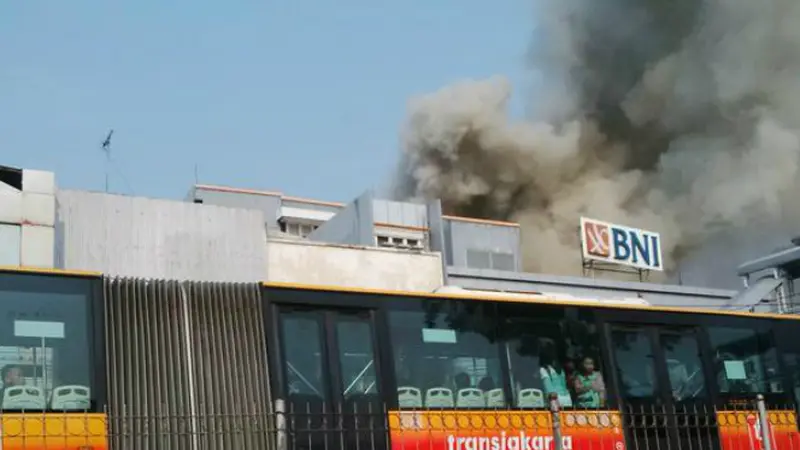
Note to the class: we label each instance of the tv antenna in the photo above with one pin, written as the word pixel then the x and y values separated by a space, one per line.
pixel 106 146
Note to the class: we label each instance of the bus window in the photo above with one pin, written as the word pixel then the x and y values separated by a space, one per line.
pixel 745 360
pixel 303 355
pixel 684 365
pixel 633 352
pixel 356 357
pixel 444 357
pixel 44 343
pixel 552 350
pixel 791 361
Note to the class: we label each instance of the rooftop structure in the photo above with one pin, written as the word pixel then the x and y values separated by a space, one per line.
pixel 770 280
pixel 220 233
pixel 475 253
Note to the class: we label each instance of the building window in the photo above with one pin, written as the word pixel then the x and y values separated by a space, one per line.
pixel 484 259
pixel 503 261
pixel 399 242
pixel 297 229
pixel 479 259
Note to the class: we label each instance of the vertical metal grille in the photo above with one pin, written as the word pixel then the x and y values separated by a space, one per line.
pixel 229 363
pixel 187 365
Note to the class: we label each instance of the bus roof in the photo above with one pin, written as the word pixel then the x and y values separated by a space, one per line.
pixel 538 299
pixel 46 271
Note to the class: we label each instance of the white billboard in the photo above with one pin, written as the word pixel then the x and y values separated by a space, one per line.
pixel 618 244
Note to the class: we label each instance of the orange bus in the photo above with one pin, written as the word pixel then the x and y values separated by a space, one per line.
pixel 477 372
pixel 363 369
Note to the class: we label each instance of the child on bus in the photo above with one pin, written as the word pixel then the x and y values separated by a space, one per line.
pixel 590 390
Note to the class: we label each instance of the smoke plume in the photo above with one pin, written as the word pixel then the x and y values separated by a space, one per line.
pixel 679 116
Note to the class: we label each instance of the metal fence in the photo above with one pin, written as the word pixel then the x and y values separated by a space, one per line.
pixel 319 427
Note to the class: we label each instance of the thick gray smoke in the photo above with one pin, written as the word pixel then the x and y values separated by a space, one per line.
pixel 675 116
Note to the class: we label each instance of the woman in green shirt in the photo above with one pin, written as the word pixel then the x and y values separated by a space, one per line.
pixel 590 390
pixel 554 378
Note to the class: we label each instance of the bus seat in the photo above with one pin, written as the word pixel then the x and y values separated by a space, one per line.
pixel 409 397
pixel 470 398
pixel 439 397
pixel 24 397
pixel 496 398
pixel 530 398
pixel 71 397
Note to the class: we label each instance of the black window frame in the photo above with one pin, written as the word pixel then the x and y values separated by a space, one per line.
pixel 91 287
pixel 275 298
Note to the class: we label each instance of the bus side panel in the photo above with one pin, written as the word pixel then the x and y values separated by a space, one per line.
pixel 54 431
pixel 741 430
pixel 465 430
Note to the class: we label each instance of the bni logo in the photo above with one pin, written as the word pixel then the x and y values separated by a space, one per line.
pixel 621 245
pixel 597 239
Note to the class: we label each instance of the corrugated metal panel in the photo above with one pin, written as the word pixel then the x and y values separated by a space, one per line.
pixel 147 371
pixel 468 237
pixel 140 237
pixel 193 353
pixel 352 225
pixel 230 362
pixel 400 213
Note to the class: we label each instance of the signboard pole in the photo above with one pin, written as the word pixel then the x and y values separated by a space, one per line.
pixel 763 420
pixel 558 441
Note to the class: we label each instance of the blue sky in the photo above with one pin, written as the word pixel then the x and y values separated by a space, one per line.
pixel 302 97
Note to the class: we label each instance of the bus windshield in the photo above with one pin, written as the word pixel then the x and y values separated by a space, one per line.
pixel 44 343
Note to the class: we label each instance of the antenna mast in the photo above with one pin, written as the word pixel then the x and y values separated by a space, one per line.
pixel 106 146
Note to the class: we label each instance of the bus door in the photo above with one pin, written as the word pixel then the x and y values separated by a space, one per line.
pixel 330 377
pixel 662 387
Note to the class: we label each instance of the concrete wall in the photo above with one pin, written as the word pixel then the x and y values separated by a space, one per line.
pixel 352 225
pixel 268 203
pixel 314 263
pixel 147 238
pixel 656 294
pixel 27 220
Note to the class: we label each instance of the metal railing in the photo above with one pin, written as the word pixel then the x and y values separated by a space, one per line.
pixel 317 426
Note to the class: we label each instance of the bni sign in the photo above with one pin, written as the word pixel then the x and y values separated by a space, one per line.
pixel 603 241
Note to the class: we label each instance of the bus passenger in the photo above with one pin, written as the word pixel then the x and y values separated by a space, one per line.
pixel 12 376
pixel 462 381
pixel 569 368
pixel 486 384
pixel 590 390
pixel 554 379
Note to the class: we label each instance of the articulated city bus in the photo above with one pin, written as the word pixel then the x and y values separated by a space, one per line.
pixel 88 362
pixel 478 371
